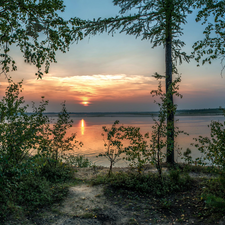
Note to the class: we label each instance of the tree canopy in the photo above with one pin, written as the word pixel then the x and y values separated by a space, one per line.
pixel 160 22
pixel 212 14
pixel 148 22
pixel 36 28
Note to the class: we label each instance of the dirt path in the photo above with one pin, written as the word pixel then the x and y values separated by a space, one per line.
pixel 87 205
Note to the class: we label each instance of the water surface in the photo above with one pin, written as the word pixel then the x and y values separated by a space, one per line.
pixel 89 130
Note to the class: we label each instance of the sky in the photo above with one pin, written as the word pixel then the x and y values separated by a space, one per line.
pixel 114 74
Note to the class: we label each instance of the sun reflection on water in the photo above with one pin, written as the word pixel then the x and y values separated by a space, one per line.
pixel 82 126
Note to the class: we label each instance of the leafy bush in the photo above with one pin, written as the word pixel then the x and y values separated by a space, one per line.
pixel 148 184
pixel 213 149
pixel 161 129
pixel 78 160
pixel 215 202
pixel 214 193
pixel 26 181
pixel 60 172
pixel 33 191
pixel 53 141
pixel 137 150
pixel 113 144
pixel 18 130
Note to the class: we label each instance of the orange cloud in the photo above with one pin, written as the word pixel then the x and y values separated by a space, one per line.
pixel 89 88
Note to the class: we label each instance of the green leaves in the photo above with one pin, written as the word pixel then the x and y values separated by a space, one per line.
pixel 212 46
pixel 18 130
pixel 149 21
pixel 54 144
pixel 36 28
pixel 112 143
pixel 213 148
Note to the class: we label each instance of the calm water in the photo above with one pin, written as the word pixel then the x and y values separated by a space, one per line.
pixel 89 131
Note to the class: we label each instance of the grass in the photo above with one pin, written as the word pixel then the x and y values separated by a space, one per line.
pixel 181 199
pixel 176 196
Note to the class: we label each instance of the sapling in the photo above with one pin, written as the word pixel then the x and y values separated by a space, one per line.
pixel 113 144
pixel 137 148
pixel 213 148
pixel 54 144
pixel 160 128
pixel 18 129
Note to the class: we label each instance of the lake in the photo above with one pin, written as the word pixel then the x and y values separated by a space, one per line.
pixel 89 130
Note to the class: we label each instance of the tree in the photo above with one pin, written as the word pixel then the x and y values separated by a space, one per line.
pixel 157 21
pixel 212 46
pixel 35 27
pixel 18 130
pixel 113 144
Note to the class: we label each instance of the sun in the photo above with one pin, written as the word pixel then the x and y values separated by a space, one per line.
pixel 85 103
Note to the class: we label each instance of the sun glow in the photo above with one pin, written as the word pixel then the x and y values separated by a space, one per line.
pixel 82 125
pixel 85 103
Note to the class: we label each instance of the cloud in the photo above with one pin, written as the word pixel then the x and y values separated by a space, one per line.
pixel 97 89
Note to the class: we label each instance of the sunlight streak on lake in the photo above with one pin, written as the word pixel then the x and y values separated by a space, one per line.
pixel 82 126
pixel 89 132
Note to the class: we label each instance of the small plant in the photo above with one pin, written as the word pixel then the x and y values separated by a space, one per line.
pixel 144 184
pixel 113 144
pixel 174 175
pixel 187 156
pixel 165 203
pixel 160 129
pixel 217 203
pixel 78 160
pixel 136 152
pixel 18 130
pixel 28 181
pixel 53 142
pixel 213 149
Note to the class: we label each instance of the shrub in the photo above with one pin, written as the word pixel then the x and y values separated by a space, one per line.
pixel 54 144
pixel 60 172
pixel 78 160
pixel 136 152
pixel 113 144
pixel 145 184
pixel 213 149
pixel 30 181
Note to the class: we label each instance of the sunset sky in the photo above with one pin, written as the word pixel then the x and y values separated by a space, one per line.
pixel 105 73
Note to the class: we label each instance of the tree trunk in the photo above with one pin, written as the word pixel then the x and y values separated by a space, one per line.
pixel 169 71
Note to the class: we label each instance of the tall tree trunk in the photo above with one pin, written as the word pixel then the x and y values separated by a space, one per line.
pixel 169 71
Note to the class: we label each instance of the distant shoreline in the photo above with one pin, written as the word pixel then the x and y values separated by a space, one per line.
pixel 189 112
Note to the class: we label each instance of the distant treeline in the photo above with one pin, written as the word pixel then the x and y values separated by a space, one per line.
pixel 183 112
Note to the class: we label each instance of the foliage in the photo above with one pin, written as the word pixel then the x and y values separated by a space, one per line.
pixel 113 144
pixel 187 156
pixel 160 128
pixel 137 150
pixel 53 141
pixel 78 160
pixel 28 181
pixel 161 23
pixel 213 149
pixel 211 47
pixel 145 184
pixel 60 172
pixel 18 130
pixel 149 22
pixel 214 193
pixel 37 29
